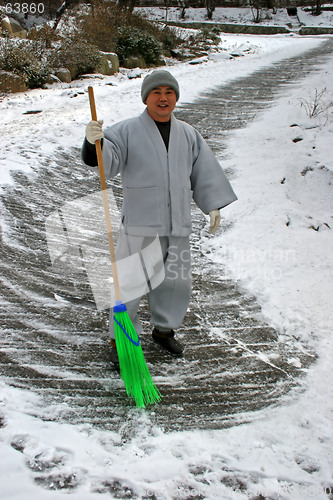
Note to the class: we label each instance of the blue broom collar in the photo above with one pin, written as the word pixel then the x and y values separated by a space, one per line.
pixel 119 307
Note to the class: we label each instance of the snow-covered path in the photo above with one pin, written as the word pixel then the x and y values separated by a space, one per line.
pixel 56 348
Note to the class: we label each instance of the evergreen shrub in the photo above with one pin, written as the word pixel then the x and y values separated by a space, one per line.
pixel 132 41
pixel 78 55
pixel 27 59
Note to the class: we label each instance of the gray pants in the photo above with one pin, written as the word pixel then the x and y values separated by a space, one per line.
pixel 168 302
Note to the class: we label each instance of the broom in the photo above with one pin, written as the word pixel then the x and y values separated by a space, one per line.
pixel 133 368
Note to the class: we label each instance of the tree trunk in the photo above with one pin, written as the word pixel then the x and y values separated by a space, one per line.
pixel 318 8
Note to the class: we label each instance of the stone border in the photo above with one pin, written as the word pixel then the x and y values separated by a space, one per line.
pixel 315 30
pixel 253 29
pixel 232 28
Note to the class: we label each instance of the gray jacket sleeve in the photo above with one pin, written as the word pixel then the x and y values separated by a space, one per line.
pixel 114 150
pixel 211 188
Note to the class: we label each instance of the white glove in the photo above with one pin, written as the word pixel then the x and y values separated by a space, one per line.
pixel 94 131
pixel 215 219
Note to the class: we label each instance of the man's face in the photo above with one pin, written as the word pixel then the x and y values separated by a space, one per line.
pixel 161 101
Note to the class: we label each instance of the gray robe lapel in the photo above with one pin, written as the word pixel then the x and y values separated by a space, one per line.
pixel 174 140
pixel 174 177
pixel 154 135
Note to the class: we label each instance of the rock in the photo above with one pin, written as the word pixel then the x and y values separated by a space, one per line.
pixel 13 27
pixel 109 64
pixel 135 73
pixel 63 74
pixel 33 112
pixel 52 79
pixel 10 82
pixel 134 62
pixel 199 60
pixel 236 54
pixel 177 54
pixel 73 69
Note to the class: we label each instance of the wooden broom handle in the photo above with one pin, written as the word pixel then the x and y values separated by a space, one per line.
pixel 105 199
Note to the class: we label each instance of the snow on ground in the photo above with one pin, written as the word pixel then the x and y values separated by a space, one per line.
pixel 325 18
pixel 284 188
pixel 243 15
pixel 280 247
pixel 285 212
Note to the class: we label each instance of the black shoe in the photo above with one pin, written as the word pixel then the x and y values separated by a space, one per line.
pixel 114 355
pixel 167 340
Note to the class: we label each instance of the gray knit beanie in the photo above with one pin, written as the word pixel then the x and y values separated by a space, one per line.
pixel 158 78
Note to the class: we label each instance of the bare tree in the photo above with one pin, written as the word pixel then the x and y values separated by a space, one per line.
pixel 256 8
pixel 210 6
pixel 127 5
pixel 60 12
pixel 316 8
pixel 271 4
pixel 184 4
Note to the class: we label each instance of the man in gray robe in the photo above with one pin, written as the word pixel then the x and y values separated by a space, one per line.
pixel 163 163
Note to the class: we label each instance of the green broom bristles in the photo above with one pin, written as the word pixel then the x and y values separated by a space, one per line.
pixel 133 368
